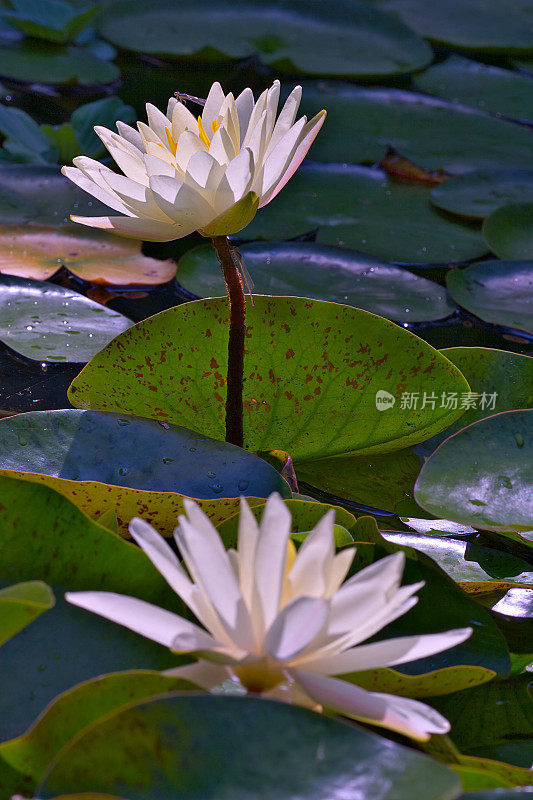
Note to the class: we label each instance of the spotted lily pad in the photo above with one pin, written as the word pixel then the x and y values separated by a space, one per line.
pixel 363 209
pixel 487 26
pixel 354 39
pixel 94 446
pixel 481 86
pixel 322 273
pixel 38 252
pixel 509 231
pixel 500 292
pixel 482 475
pixel 41 195
pixel 432 133
pixel 311 373
pixel 477 194
pixel 49 323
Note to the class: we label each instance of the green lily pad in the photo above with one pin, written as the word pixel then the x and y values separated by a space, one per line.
pixel 49 323
pixel 53 20
pixel 482 475
pixel 95 446
pixel 45 62
pixel 45 537
pixel 71 712
pixel 509 231
pixel 322 273
pixel 485 87
pixel 21 604
pixel 363 209
pixel 500 292
pixel 487 26
pixel 242 762
pixel 312 370
pixel 354 39
pixel 432 133
pixel 467 561
pixel 477 194
pixel 41 195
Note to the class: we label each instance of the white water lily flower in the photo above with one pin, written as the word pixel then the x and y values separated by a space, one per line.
pixel 281 622
pixel 209 173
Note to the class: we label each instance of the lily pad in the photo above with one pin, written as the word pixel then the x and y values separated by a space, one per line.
pixel 49 323
pixel 354 39
pixel 482 86
pixel 21 604
pixel 482 475
pixel 432 133
pixel 41 195
pixel 477 194
pixel 322 273
pixel 132 452
pixel 500 292
pixel 38 252
pixel 45 62
pixel 487 26
pixel 467 561
pixel 363 209
pixel 509 231
pixel 243 762
pixel 312 370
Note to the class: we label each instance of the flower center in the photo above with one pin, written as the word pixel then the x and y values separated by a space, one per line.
pixel 260 675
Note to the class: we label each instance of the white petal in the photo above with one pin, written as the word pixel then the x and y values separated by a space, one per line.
pixel 409 717
pixel 184 205
pixel 201 522
pixel 126 155
pixel 172 101
pixel 286 118
pixel 228 119
pixel 204 173
pixel 387 653
pixel 236 181
pixel 151 621
pixel 188 144
pixel 149 230
pixel 272 105
pixel 244 104
pixel 312 566
pixel 147 134
pixel 213 102
pixel 279 159
pixel 270 559
pixel 157 150
pixel 88 185
pixel 309 134
pixel 202 673
pixel 339 569
pixel 255 117
pixel 182 120
pixel 295 627
pixel 221 147
pixel 211 571
pixel 259 139
pixel 157 121
pixel 130 135
pixel 138 197
pixel 158 166
pixel 246 544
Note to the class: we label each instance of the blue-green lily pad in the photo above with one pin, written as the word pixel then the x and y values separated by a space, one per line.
pixel 509 231
pixel 477 194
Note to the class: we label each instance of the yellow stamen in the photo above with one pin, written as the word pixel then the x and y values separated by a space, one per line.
pixel 171 143
pixel 202 134
pixel 215 126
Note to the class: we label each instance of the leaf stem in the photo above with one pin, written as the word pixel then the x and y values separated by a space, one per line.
pixel 237 326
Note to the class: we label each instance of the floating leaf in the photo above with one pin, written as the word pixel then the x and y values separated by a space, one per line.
pixel 312 370
pixel 500 292
pixel 322 273
pixel 21 604
pixel 446 680
pixel 480 85
pixel 45 62
pixel 243 762
pixel 132 452
pixel 477 194
pixel 49 323
pixel 482 475
pixel 354 39
pixel 52 20
pixel 486 26
pixel 509 231
pixel 38 252
pixel 432 133
pixel 363 209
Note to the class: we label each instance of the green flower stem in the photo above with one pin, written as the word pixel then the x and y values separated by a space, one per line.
pixel 237 327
